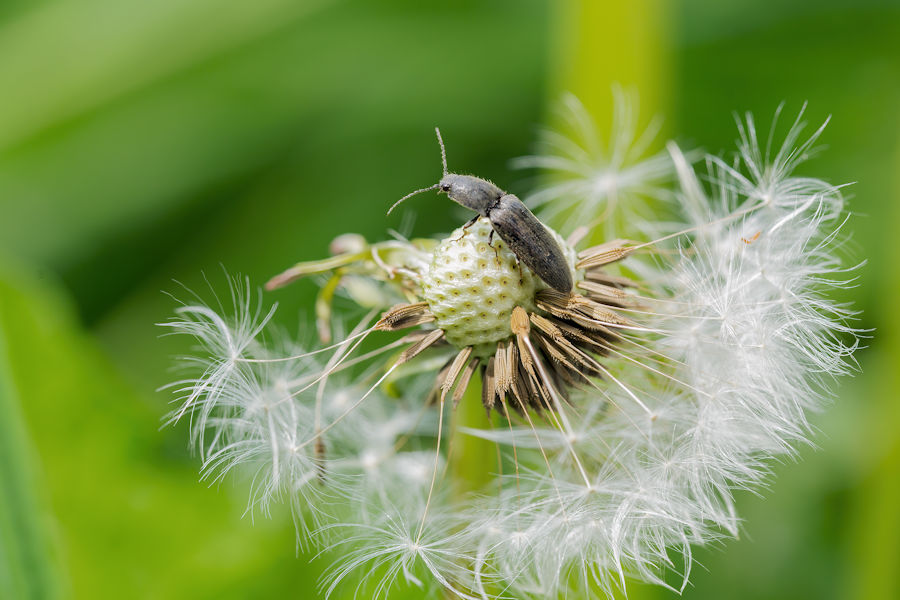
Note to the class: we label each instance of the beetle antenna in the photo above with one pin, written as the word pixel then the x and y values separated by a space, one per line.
pixel 411 194
pixel 431 187
pixel 443 150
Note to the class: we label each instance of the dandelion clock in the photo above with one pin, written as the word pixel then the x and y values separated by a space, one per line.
pixel 622 415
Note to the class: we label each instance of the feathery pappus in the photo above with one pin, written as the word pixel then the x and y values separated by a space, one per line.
pixel 624 413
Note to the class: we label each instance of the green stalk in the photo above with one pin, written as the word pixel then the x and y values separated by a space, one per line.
pixel 473 461
pixel 27 568
pixel 600 44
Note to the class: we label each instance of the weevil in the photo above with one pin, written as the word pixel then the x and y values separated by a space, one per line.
pixel 510 219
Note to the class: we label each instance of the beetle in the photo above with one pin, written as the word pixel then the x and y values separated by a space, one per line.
pixel 510 219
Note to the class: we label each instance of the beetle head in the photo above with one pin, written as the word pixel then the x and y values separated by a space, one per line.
pixel 472 192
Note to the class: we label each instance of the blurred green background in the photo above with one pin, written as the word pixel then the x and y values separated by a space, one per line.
pixel 142 142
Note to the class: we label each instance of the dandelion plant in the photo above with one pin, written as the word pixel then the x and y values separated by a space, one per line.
pixel 625 413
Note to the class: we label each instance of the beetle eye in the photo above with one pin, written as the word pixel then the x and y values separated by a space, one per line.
pixel 445 187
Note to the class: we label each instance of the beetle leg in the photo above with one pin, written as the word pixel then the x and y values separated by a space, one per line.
pixel 491 244
pixel 497 255
pixel 465 228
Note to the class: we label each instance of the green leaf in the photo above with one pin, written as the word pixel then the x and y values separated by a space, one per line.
pixel 29 566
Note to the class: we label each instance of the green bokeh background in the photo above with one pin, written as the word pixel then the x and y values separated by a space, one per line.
pixel 142 142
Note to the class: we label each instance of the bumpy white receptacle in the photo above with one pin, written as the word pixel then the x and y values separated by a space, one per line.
pixel 472 286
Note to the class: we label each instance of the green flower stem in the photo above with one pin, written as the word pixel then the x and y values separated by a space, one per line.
pixel 473 460
pixel 27 568
pixel 599 44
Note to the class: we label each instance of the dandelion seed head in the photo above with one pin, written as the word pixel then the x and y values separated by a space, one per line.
pixel 626 414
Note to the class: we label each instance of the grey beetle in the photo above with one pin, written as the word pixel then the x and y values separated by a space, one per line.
pixel 510 218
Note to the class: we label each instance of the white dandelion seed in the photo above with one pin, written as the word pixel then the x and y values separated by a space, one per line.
pixel 591 180
pixel 222 343
pixel 626 413
pixel 398 549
